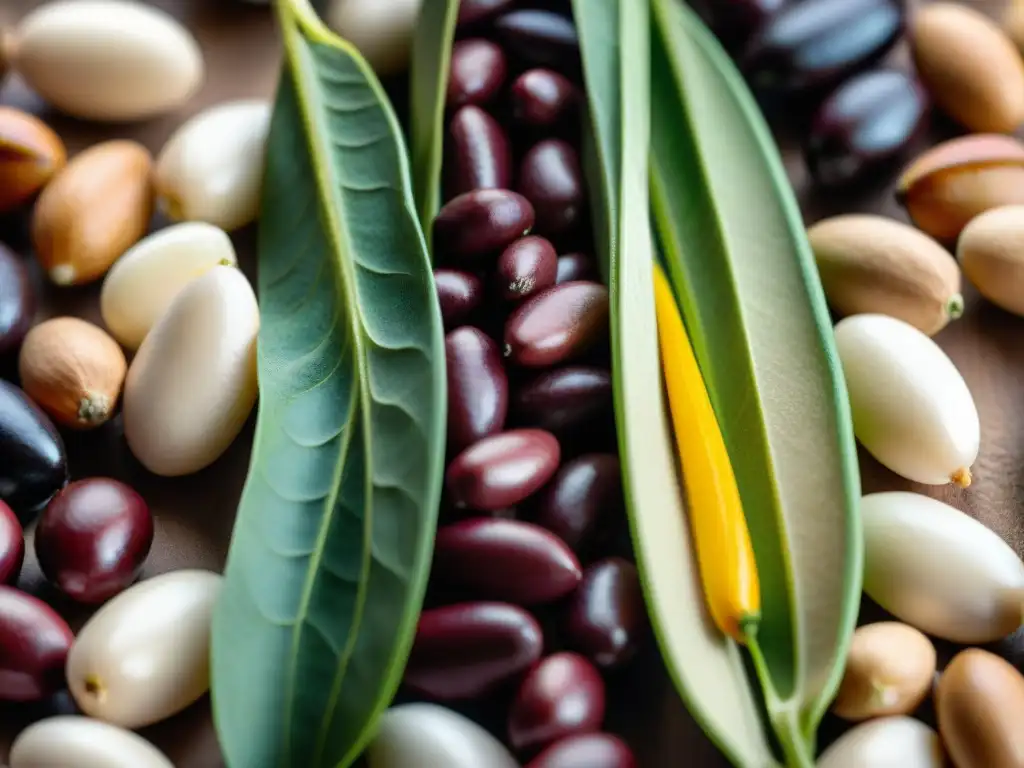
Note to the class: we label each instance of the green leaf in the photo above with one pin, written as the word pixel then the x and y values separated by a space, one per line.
pixel 705 666
pixel 431 62
pixel 331 549
pixel 733 238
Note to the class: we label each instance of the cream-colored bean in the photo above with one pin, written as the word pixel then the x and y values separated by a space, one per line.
pixel 71 741
pixel 144 656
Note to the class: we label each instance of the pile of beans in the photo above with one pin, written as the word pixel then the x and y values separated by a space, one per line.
pixel 526 603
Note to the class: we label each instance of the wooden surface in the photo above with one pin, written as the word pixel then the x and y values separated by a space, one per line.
pixel 194 515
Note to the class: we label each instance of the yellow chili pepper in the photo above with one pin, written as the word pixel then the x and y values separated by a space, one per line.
pixel 721 539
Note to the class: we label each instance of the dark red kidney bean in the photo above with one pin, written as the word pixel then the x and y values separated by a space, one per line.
pixel 815 44
pixel 564 397
pixel 473 11
pixel 477 72
pixel 576 266
pixel 606 614
pixel 563 695
pixel 12 546
pixel 459 294
pixel 465 650
pixel 34 644
pixel 33 462
pixel 586 750
pixel 539 37
pixel 734 22
pixel 542 98
pixel 551 178
pixel 868 121
pixel 93 539
pixel 527 266
pixel 17 301
pixel 584 494
pixel 557 324
pixel 479 153
pixel 477 387
pixel 502 470
pixel 505 560
pixel 482 222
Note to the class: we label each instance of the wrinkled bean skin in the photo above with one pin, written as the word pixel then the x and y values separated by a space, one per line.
pixel 465 650
pixel 814 44
pixel 582 497
pixel 477 387
pixel 481 155
pixel 34 644
pixel 502 470
pixel 477 72
pixel 587 750
pixel 607 615
pixel 576 266
pixel 459 294
pixel 473 11
pixel 563 695
pixel 540 37
pixel 17 301
pixel 481 222
pixel 868 121
pixel 551 178
pixel 12 546
pixel 564 397
pixel 506 560
pixel 558 324
pixel 542 98
pixel 33 463
pixel 527 266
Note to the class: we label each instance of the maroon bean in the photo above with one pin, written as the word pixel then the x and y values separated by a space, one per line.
pixel 473 11
pixel 576 266
pixel 477 387
pixel 564 695
pixel 586 750
pixel 12 546
pixel 93 539
pixel 34 644
pixel 505 560
pixel 735 21
pixel 477 72
pixel 17 301
pixel 502 470
pixel 542 98
pixel 564 397
pixel 557 324
pixel 607 616
pixel 586 492
pixel 479 153
pixel 459 294
pixel 527 266
pixel 551 178
pixel 870 120
pixel 482 222
pixel 539 37
pixel 465 650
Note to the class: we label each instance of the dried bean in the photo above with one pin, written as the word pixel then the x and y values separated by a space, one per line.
pixel 17 301
pixel 586 750
pixel 576 266
pixel 540 37
pixel 551 178
pixel 481 155
pixel 459 294
pixel 542 98
pixel 473 11
pixel 477 387
pixel 527 266
pixel 477 72
pixel 482 222
pixel 557 324
pixel 585 494
pixel 502 470
pixel 606 615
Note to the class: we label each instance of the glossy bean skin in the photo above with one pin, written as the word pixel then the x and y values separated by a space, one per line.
pixel 812 45
pixel 586 750
pixel 542 98
pixel 576 266
pixel 481 222
pixel 459 294
pixel 564 397
pixel 865 123
pixel 558 324
pixel 480 154
pixel 502 470
pixel 12 546
pixel 562 696
pixel 465 650
pixel 551 178
pixel 33 462
pixel 584 495
pixel 540 37
pixel 527 266
pixel 606 615
pixel 477 72
pixel 474 11
pixel 17 301
pixel 477 387
pixel 34 644
pixel 505 560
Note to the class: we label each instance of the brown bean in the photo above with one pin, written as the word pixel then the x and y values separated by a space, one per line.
pixel 540 37
pixel 557 324
pixel 527 266
pixel 473 11
pixel 576 266
pixel 606 615
pixel 17 301
pixel 586 750
pixel 551 178
pixel 542 98
pixel 565 397
pixel 477 387
pixel 477 72
pixel 465 650
pixel 505 560
pixel 580 500
pixel 481 222
pixel 502 470
pixel 459 294
pixel 479 154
